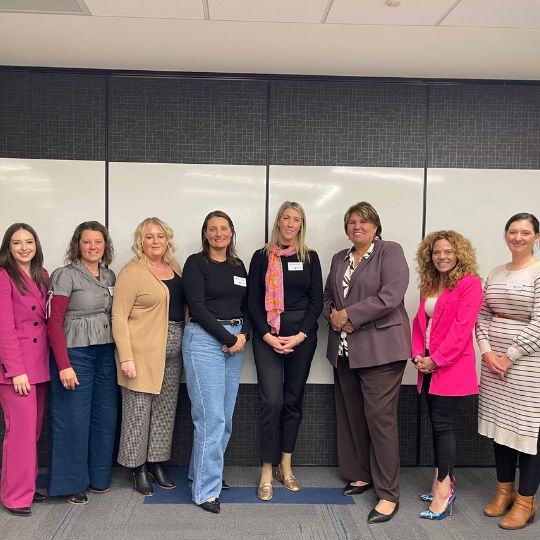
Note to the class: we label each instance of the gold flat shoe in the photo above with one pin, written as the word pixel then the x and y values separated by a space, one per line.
pixel 265 491
pixel 290 482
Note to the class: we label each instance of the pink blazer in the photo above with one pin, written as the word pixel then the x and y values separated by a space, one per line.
pixel 24 345
pixel 451 339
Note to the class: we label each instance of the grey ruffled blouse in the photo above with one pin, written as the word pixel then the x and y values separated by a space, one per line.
pixel 88 318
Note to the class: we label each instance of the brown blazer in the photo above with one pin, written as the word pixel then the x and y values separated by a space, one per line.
pixel 374 304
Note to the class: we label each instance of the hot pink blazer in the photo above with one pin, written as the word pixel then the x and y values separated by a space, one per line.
pixel 451 339
pixel 24 345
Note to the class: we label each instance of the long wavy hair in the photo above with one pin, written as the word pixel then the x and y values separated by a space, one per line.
pixel 9 264
pixel 429 278
pixel 231 254
pixel 138 236
pixel 73 252
pixel 302 251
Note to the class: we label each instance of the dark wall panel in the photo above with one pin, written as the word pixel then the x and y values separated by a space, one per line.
pixel 471 448
pixel 484 126
pixel 52 116
pixel 181 120
pixel 316 443
pixel 363 124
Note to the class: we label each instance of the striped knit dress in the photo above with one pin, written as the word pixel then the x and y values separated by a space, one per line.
pixel 509 409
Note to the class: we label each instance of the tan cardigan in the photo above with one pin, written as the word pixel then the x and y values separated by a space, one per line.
pixel 140 314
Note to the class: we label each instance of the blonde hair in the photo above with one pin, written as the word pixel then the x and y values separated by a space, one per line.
pixel 138 235
pixel 429 277
pixel 302 250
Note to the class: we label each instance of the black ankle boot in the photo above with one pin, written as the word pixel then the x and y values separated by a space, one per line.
pixel 156 473
pixel 141 481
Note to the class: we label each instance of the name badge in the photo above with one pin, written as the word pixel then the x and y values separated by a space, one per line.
pixel 240 281
pixel 515 285
pixel 295 266
pixel 111 290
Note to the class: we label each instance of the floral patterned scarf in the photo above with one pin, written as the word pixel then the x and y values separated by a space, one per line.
pixel 274 302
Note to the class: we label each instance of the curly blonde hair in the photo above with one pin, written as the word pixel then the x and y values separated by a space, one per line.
pixel 138 235
pixel 429 277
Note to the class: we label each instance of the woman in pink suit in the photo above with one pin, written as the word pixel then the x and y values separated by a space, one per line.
pixel 443 350
pixel 24 362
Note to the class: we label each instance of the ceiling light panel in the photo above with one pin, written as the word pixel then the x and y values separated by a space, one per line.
pixel 286 11
pixel 58 7
pixel 145 9
pixel 495 14
pixel 409 13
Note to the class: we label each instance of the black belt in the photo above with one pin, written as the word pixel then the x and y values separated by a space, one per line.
pixel 231 322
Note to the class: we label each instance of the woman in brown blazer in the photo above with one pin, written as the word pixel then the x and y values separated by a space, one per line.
pixel 148 321
pixel 368 345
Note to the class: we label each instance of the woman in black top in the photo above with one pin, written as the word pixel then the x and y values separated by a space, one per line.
pixel 285 300
pixel 215 283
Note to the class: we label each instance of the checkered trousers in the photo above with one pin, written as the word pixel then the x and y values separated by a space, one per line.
pixel 148 419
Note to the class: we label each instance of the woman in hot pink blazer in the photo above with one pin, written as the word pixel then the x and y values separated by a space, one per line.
pixel 443 351
pixel 24 364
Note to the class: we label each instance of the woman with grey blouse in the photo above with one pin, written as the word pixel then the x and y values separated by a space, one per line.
pixel 83 391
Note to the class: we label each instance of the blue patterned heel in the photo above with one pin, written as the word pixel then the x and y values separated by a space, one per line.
pixel 428 497
pixel 429 514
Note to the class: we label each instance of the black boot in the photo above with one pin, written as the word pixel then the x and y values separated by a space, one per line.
pixel 141 481
pixel 156 473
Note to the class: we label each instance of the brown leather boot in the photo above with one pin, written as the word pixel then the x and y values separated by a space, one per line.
pixel 506 493
pixel 522 512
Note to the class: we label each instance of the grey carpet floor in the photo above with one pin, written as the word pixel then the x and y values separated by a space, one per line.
pixel 120 514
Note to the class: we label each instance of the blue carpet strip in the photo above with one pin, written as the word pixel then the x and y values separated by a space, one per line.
pixel 245 495
pixel 237 495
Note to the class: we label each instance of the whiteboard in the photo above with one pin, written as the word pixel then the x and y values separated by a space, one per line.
pixel 53 196
pixel 326 193
pixel 477 203
pixel 182 195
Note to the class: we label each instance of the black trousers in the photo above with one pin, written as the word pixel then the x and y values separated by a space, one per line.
pixel 281 379
pixel 442 413
pixel 506 460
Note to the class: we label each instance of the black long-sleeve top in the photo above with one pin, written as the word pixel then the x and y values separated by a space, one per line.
pixel 303 289
pixel 216 290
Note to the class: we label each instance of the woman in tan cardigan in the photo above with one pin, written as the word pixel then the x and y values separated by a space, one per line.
pixel 148 319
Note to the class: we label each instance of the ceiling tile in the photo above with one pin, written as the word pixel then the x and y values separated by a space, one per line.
pixel 409 13
pixel 156 9
pixel 294 11
pixel 495 14
pixel 43 6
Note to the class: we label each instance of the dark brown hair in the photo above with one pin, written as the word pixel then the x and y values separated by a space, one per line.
pixel 232 256
pixel 366 211
pixel 531 218
pixel 73 251
pixel 8 263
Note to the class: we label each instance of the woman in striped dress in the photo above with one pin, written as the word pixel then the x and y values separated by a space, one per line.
pixel 508 334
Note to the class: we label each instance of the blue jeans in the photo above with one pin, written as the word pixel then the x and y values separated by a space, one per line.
pixel 212 379
pixel 82 422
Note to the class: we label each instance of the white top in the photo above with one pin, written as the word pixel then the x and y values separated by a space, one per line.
pixel 429 308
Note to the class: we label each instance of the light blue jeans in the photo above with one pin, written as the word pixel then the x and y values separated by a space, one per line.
pixel 212 379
